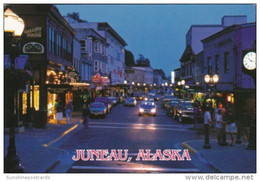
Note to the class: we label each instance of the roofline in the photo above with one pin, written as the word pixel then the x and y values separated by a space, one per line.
pixel 228 29
pixel 112 31
pixel 198 26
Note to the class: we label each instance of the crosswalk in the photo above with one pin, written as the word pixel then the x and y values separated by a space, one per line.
pixel 147 126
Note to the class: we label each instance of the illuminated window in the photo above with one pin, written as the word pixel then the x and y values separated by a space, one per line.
pixel 24 103
pixel 34 98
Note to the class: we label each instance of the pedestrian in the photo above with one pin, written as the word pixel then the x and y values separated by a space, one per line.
pixel 245 125
pixel 207 122
pixel 219 126
pixel 59 109
pixel 56 104
pixel 231 125
pixel 69 109
pixel 85 114
pixel 196 114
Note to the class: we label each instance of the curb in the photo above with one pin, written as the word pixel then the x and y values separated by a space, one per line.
pixel 52 166
pixel 70 131
pixel 199 156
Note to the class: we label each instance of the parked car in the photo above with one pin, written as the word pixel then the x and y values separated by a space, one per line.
pixel 106 101
pixel 147 107
pixel 167 98
pixel 185 111
pixel 97 109
pixel 156 97
pixel 139 96
pixel 130 101
pixel 172 109
pixel 113 100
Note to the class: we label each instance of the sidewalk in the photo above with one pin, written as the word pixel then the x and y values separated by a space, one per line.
pixel 37 148
pixel 225 159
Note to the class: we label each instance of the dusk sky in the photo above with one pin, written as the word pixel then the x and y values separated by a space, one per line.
pixel 157 31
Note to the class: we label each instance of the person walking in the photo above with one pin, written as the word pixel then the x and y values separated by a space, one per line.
pixel 196 114
pixel 245 125
pixel 59 110
pixel 207 122
pixel 68 111
pixel 85 114
pixel 219 126
pixel 231 125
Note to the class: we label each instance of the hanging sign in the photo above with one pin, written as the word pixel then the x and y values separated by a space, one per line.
pixel 33 48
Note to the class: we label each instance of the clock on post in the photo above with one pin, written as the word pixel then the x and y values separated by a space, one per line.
pixel 249 63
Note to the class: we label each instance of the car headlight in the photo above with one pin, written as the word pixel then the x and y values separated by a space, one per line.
pixel 153 110
pixel 141 110
pixel 146 99
pixel 180 111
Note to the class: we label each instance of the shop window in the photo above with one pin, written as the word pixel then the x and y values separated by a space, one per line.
pixel 34 98
pixel 24 103
pixel 51 105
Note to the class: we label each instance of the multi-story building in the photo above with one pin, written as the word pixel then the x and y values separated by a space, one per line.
pixel 104 47
pixel 115 51
pixel 48 41
pixel 158 77
pixel 223 55
pixel 140 75
pixel 191 59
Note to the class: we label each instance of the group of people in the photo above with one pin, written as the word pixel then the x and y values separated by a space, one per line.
pixel 59 111
pixel 224 122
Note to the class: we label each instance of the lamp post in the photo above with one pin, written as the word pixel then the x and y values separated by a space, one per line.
pixel 182 82
pixel 13 28
pixel 211 81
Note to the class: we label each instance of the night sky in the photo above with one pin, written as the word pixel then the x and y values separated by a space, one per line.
pixel 158 31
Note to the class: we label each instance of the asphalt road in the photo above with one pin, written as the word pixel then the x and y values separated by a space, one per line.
pixel 124 129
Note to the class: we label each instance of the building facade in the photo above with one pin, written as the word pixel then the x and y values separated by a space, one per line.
pixel 191 59
pixel 104 48
pixel 140 75
pixel 48 41
pixel 223 55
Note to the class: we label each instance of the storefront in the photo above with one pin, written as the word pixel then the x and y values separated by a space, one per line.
pixel 57 93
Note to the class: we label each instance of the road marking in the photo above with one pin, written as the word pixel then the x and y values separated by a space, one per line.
pixel 62 135
pixel 138 124
pixel 138 127
pixel 151 169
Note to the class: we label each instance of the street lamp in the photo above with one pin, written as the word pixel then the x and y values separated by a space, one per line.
pixel 166 84
pixel 125 81
pixel 183 82
pixel 133 83
pixel 211 81
pixel 13 28
pixel 179 83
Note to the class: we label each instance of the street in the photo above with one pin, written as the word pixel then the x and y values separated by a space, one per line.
pixel 124 129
